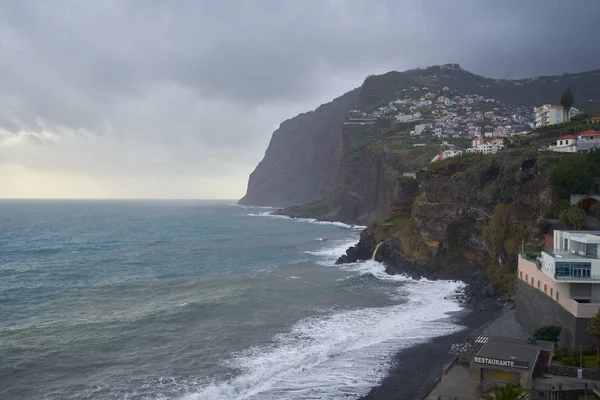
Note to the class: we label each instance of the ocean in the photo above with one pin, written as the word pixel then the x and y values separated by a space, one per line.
pixel 197 300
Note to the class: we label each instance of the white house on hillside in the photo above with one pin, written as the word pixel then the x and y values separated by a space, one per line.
pixel 565 144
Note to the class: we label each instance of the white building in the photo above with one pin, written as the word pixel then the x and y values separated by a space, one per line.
pixel 565 144
pixel 408 118
pixel 551 115
pixel 570 272
pixel 548 115
pixel 491 147
pixel 567 274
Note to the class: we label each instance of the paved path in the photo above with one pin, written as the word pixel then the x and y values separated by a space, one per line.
pixel 456 384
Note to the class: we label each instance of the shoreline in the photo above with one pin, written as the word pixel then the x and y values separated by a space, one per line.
pixel 416 369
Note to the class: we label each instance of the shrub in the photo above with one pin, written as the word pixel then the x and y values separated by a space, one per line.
pixel 569 361
pixel 561 353
pixel 550 333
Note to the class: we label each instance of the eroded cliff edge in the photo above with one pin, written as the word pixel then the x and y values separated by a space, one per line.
pixel 471 212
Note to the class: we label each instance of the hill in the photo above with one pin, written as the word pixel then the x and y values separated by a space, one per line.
pixel 340 165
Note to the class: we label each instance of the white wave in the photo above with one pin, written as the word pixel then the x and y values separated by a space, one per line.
pixel 340 355
pixel 328 255
pixel 307 220
pixel 254 207
pixel 336 223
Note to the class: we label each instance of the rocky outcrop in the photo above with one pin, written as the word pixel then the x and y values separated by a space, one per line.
pixel 443 237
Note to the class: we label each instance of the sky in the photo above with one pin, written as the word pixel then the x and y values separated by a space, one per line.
pixel 178 99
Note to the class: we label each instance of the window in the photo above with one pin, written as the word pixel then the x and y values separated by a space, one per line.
pixel 526 278
pixel 532 281
pixel 591 249
pixel 557 295
pixel 521 274
pixel 538 284
pixel 545 288
pixel 551 292
pixel 566 245
pixel 574 269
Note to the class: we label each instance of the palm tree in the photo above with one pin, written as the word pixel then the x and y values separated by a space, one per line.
pixel 573 216
pixel 594 328
pixel 508 392
pixel 566 100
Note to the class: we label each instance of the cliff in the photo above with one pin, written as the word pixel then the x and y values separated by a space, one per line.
pixel 319 167
pixel 471 212
pixel 299 155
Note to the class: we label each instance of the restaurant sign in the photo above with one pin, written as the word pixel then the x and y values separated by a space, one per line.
pixel 501 363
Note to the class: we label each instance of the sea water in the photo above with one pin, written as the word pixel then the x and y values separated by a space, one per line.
pixel 197 300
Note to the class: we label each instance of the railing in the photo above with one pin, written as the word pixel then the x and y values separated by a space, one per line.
pixel 576 278
pixel 558 254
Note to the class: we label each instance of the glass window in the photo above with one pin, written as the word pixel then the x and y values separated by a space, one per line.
pixel 591 249
pixel 532 280
pixel 557 295
pixel 545 288
pixel 551 292
pixel 521 274
pixel 574 269
pixel 538 284
pixel 566 247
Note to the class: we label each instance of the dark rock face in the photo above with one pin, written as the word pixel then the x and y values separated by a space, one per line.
pixel 299 155
pixel 363 250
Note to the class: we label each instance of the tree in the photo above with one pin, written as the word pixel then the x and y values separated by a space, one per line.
pixel 566 100
pixel 573 217
pixel 550 333
pixel 594 328
pixel 508 392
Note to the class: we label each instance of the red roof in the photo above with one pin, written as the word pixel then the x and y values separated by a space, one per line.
pixel 594 119
pixel 566 137
pixel 589 132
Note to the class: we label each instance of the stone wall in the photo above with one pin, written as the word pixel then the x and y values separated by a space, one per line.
pixel 534 309
pixel 562 370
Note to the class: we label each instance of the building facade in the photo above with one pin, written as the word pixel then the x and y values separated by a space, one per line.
pixel 565 144
pixel 562 287
pixel 548 115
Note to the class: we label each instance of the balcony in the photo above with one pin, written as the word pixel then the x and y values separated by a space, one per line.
pixel 573 255
pixel 582 310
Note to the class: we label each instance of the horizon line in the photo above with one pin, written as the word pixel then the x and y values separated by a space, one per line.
pixel 115 198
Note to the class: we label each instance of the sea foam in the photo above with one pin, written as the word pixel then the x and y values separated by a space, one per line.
pixel 340 355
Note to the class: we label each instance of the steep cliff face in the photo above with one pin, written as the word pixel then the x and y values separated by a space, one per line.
pixel 299 155
pixel 333 171
pixel 445 231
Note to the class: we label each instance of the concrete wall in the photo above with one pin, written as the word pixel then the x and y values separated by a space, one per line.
pixel 534 309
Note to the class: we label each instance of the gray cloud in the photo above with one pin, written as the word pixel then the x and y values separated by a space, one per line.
pixel 194 88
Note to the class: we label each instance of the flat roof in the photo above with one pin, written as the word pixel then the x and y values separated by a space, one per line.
pixel 510 353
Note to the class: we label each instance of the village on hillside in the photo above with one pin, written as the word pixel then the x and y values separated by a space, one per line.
pixel 448 116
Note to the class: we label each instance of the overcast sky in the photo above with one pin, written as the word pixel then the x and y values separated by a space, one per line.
pixel 178 99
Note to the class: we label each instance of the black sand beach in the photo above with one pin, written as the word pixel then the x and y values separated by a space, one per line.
pixel 418 368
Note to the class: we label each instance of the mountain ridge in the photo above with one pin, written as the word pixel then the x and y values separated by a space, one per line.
pixel 352 173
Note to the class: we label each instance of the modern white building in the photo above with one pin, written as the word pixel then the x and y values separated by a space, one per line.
pixel 552 115
pixel 569 273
